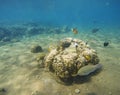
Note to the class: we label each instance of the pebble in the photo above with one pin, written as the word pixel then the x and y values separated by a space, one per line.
pixel 77 91
pixel 32 93
pixel 35 93
pixel 110 93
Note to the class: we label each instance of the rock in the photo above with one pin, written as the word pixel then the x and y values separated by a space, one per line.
pixel 36 49
pixel 77 91
pixel 2 90
pixel 40 56
pixel 69 57
pixel 40 59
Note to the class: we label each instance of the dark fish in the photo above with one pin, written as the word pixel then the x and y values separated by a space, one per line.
pixel 95 30
pixel 88 69
pixel 106 44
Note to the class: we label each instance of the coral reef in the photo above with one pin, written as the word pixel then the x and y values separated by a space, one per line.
pixel 69 56
pixel 29 29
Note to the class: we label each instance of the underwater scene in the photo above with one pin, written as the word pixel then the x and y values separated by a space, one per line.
pixel 59 47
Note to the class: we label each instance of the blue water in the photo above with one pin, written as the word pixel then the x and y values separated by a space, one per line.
pixel 25 23
pixel 62 12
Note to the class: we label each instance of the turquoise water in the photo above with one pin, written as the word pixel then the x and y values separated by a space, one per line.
pixel 26 23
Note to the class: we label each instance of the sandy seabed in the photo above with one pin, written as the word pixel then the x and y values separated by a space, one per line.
pixel 20 74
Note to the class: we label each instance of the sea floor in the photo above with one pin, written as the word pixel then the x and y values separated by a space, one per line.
pixel 20 74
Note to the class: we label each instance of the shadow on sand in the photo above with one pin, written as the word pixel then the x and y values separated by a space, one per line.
pixel 79 79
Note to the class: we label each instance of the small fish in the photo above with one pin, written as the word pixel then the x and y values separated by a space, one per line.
pixel 74 30
pixel 105 44
pixel 95 30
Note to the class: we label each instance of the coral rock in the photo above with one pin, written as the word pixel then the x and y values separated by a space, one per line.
pixel 36 49
pixel 70 56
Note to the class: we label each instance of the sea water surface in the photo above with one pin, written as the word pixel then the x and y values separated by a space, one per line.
pixel 25 23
